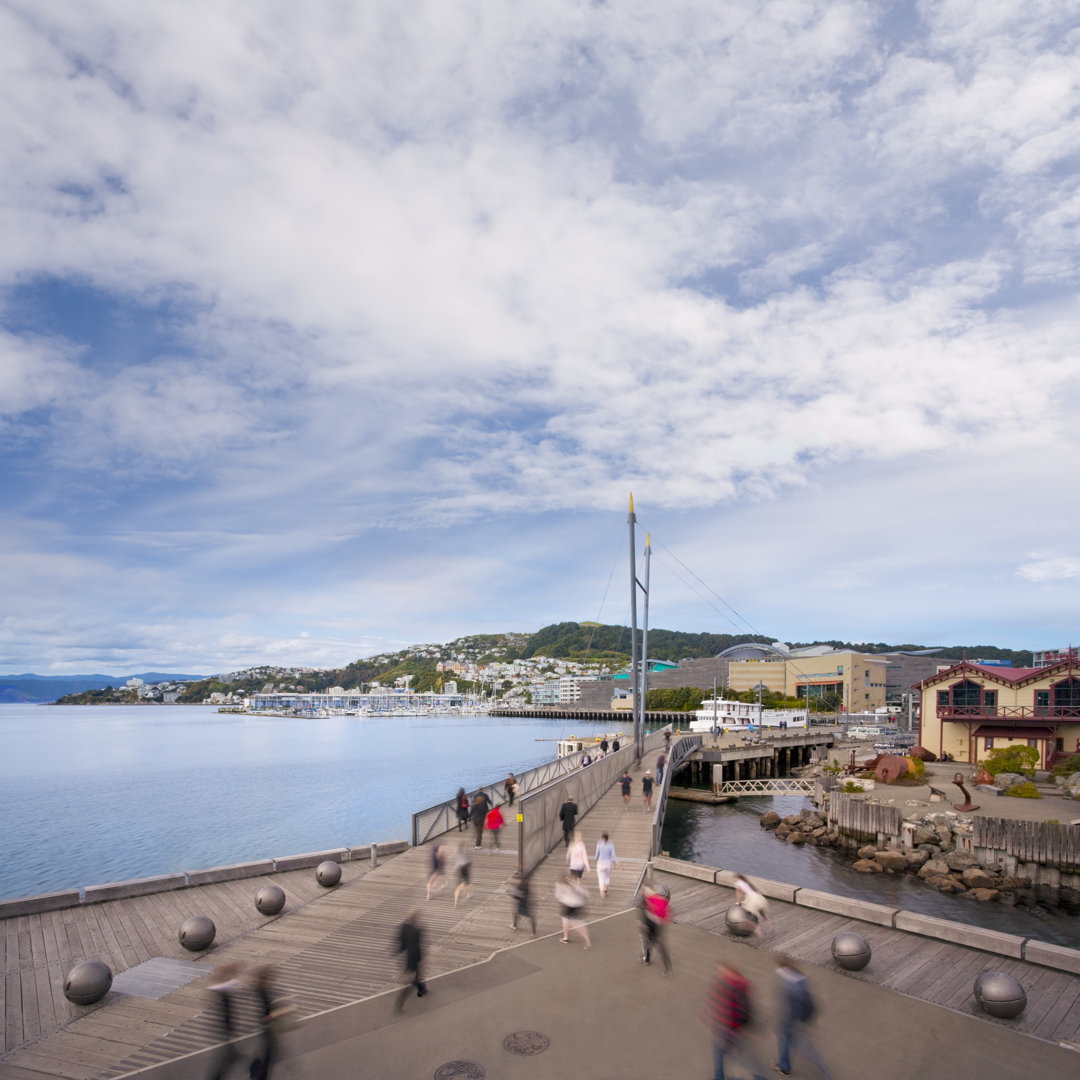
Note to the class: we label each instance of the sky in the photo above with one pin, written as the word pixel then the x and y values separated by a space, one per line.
pixel 330 328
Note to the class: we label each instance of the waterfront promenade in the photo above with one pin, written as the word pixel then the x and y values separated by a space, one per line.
pixel 602 1013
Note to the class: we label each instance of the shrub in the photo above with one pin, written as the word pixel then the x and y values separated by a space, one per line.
pixel 835 769
pixel 1025 790
pixel 1015 759
pixel 1067 766
pixel 851 788
pixel 916 767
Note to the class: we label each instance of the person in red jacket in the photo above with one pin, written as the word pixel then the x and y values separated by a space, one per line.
pixel 727 1012
pixel 494 824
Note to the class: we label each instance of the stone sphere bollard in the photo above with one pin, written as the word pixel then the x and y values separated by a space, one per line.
pixel 197 933
pixel 1000 995
pixel 270 899
pixel 851 951
pixel 328 873
pixel 740 922
pixel 87 982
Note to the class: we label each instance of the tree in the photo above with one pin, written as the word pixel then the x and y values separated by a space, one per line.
pixel 1012 759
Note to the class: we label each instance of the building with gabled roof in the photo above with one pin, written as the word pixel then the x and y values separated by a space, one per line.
pixel 970 709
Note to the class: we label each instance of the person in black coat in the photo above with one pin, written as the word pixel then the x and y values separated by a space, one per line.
pixel 478 813
pixel 568 817
pixel 226 986
pixel 410 942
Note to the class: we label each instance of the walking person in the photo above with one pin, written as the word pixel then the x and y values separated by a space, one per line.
pixel 572 897
pixel 624 783
pixel 437 880
pixel 464 871
pixel 577 856
pixel 568 817
pixel 494 824
pixel 655 907
pixel 511 789
pixel 521 894
pixel 667 740
pixel 661 761
pixel 461 808
pixel 727 1012
pixel 586 761
pixel 604 746
pixel 270 1014
pixel 605 857
pixel 747 896
pixel 615 747
pixel 227 984
pixel 410 943
pixel 646 789
pixel 797 1009
pixel 478 815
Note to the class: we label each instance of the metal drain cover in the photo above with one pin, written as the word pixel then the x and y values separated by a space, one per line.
pixel 526 1043
pixel 460 1070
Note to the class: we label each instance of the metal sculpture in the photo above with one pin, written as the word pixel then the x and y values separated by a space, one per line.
pixel 740 922
pixel 890 767
pixel 87 982
pixel 967 805
pixel 328 873
pixel 1000 995
pixel 270 899
pixel 851 951
pixel 197 933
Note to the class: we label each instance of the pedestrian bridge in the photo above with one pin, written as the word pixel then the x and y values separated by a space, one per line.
pixel 767 786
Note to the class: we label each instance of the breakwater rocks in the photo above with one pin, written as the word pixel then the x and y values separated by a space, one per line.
pixel 933 854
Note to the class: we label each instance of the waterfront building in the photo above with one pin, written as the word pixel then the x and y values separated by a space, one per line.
pixel 857 679
pixel 970 709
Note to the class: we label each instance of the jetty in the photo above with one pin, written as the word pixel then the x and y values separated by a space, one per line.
pixel 503 1004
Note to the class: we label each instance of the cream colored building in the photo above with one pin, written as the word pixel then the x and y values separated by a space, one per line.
pixel 859 679
pixel 969 710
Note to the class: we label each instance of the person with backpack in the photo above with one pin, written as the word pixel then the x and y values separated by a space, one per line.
pixel 727 1012
pixel 655 906
pixel 797 1009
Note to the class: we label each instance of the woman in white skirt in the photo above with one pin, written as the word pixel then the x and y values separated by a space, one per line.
pixel 605 857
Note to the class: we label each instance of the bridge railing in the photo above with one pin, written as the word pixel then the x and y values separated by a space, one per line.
pixel 541 828
pixel 680 750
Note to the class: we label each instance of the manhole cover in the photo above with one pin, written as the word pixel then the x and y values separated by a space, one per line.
pixel 460 1070
pixel 526 1042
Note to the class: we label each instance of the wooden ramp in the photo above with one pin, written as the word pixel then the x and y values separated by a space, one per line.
pixel 329 948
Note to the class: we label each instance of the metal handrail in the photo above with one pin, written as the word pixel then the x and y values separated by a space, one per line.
pixel 678 753
pixel 1011 712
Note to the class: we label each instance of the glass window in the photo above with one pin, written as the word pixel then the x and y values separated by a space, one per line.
pixel 943 699
pixel 966 695
pixel 989 742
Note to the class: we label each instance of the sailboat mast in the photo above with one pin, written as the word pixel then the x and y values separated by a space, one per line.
pixel 645 643
pixel 633 633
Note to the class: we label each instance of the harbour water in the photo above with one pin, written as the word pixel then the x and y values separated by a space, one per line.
pixel 92 794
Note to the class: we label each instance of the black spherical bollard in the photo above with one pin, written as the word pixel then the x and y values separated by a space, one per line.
pixel 328 873
pixel 87 982
pixel 740 922
pixel 197 933
pixel 851 951
pixel 1000 995
pixel 270 899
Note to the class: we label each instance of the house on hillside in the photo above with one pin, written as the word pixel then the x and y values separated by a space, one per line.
pixel 970 709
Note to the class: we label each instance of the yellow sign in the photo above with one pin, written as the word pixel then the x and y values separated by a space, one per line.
pixel 521 818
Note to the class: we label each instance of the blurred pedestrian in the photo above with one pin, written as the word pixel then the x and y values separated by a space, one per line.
pixel 667 739
pixel 605 857
pixel 271 1014
pixel 646 789
pixel 624 783
pixel 522 897
pixel 461 808
pixel 464 870
pixel 577 856
pixel 797 1009
pixel 478 815
pixel 615 747
pixel 655 907
pixel 437 880
pixel 494 824
pixel 747 896
pixel 586 761
pixel 511 789
pixel 572 898
pixel 661 761
pixel 410 943
pixel 603 746
pixel 227 984
pixel 568 817
pixel 727 1012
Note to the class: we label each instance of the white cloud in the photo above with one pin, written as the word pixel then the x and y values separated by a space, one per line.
pixel 1046 568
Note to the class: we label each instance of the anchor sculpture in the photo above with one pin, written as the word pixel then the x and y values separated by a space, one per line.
pixel 967 805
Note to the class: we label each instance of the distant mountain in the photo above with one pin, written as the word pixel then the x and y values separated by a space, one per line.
pixel 38 689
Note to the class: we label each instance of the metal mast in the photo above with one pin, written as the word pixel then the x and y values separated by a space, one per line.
pixel 633 635
pixel 645 644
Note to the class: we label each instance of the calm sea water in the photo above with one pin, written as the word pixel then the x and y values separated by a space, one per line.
pixel 92 794
pixel 730 837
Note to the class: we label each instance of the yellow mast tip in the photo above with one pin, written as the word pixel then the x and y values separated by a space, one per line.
pixel 631 502
pixel 648 539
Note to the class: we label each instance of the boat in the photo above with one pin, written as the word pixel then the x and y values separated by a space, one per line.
pixel 724 716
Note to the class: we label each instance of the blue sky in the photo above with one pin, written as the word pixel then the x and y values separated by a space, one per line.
pixel 327 329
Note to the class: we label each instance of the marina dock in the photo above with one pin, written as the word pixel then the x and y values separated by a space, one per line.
pixel 599 1011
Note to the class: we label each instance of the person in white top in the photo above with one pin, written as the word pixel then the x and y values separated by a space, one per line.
pixel 577 856
pixel 605 856
pixel 748 897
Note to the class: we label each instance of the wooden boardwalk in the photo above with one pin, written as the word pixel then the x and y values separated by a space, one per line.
pixel 329 947
pixel 933 971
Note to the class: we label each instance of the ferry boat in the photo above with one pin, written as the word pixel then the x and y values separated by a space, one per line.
pixel 743 716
